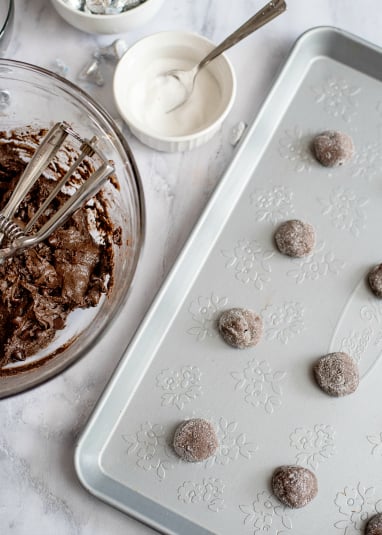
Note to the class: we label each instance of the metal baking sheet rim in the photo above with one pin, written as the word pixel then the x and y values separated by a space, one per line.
pixel 316 42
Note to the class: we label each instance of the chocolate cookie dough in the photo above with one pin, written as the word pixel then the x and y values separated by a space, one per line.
pixel 195 440
pixel 295 238
pixel 374 526
pixel 240 327
pixel 42 286
pixel 337 374
pixel 333 148
pixel 375 280
pixel 294 486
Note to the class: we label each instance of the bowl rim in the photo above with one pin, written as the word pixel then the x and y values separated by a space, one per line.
pixel 81 14
pixel 186 137
pixel 91 103
pixel 7 18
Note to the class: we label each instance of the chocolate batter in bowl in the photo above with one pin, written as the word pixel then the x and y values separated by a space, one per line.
pixel 58 298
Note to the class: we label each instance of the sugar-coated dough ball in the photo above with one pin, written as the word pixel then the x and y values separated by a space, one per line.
pixel 294 486
pixel 240 327
pixel 375 280
pixel 332 148
pixel 195 440
pixel 337 374
pixel 374 526
pixel 295 238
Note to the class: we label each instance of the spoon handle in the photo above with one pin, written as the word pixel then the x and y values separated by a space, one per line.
pixel 265 15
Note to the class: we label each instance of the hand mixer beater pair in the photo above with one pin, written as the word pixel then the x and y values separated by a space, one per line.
pixel 19 238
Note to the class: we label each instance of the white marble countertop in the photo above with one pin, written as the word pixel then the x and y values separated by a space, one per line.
pixel 39 490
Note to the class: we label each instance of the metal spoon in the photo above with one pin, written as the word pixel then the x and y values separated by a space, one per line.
pixel 262 17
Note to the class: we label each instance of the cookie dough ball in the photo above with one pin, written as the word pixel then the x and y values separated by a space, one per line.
pixel 375 280
pixel 374 526
pixel 294 486
pixel 240 327
pixel 337 374
pixel 195 440
pixel 332 148
pixel 295 238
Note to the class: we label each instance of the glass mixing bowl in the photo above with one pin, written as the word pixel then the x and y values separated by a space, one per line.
pixel 40 98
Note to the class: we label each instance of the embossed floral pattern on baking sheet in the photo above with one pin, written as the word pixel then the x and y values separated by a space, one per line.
pixel 149 448
pixel 356 505
pixel 338 98
pixel 208 492
pixel 295 147
pixel 266 515
pixel 345 210
pixel 250 263
pixel 314 445
pixel 272 205
pixel 233 444
pixel 320 263
pixel 180 386
pixel 204 312
pixel 284 321
pixel 260 385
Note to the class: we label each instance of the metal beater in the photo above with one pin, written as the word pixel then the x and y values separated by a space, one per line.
pixel 18 238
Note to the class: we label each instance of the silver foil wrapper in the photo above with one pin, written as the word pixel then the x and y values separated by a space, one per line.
pixel 109 7
pixel 129 4
pixel 60 68
pixel 97 7
pixel 113 52
pixel 237 133
pixel 5 98
pixel 79 5
pixel 92 73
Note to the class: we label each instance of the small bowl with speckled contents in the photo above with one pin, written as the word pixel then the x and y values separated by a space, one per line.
pixel 108 23
pixel 144 96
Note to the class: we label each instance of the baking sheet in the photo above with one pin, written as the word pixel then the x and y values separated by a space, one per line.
pixel 263 401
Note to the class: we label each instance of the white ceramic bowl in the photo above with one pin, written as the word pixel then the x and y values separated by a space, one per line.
pixel 108 24
pixel 178 46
